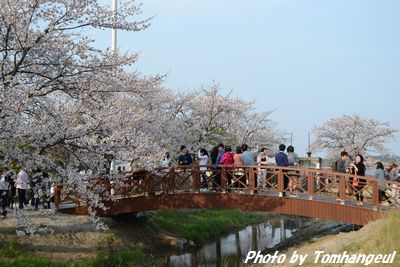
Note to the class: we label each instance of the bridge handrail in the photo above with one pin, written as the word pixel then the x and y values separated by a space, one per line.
pixel 346 175
pixel 148 184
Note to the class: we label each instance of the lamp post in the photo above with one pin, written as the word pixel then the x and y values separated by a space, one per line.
pixel 113 30
pixel 309 151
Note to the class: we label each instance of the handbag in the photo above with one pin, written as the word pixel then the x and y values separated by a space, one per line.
pixel 355 180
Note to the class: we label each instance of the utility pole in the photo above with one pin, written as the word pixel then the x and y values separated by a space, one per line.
pixel 113 50
pixel 291 138
pixel 114 21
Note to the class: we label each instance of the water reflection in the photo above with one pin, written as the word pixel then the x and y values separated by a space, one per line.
pixel 230 250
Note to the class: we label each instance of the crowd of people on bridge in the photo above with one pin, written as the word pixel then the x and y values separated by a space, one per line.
pixel 387 193
pixel 222 155
pixel 24 191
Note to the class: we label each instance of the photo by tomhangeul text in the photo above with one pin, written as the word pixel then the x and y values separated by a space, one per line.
pixel 319 257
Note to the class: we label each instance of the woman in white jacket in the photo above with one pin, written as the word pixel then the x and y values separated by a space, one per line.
pixel 262 160
pixel 22 186
pixel 203 161
pixel 166 161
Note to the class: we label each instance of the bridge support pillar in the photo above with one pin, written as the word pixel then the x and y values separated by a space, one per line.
pixel 342 189
pixel 281 186
pixel 252 180
pixel 171 180
pixel 149 184
pixel 57 196
pixel 311 185
pixel 196 178
pixel 224 180
pixel 375 193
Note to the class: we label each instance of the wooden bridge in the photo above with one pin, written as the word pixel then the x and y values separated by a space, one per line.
pixel 311 192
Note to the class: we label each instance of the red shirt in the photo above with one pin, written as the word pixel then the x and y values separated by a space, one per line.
pixel 237 160
pixel 227 159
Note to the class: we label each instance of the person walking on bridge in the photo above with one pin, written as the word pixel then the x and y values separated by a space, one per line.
pixel 228 159
pixel 202 156
pixel 262 161
pixel 281 160
pixel 342 166
pixel 217 178
pixel 185 158
pixel 380 174
pixel 359 183
pixel 292 156
pixel 166 161
pixel 239 175
pixel 293 162
pixel 221 152
pixel 343 163
pixel 248 159
pixel 393 176
pixel 216 175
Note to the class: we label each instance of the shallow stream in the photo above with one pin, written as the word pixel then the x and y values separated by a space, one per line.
pixel 277 233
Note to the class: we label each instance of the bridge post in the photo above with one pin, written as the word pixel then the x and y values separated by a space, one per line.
pixel 311 185
pixel 171 180
pixel 224 179
pixel 252 180
pixel 149 180
pixel 281 185
pixel 342 188
pixel 57 196
pixel 196 178
pixel 77 200
pixel 375 193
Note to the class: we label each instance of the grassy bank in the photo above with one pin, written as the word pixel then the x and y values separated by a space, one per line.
pixel 381 237
pixel 378 237
pixel 203 226
pixel 14 254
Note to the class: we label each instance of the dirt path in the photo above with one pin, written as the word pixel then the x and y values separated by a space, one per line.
pixel 75 237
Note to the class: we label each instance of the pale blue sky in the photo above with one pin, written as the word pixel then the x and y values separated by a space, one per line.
pixel 309 60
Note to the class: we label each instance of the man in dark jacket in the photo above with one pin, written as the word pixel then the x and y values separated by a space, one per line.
pixel 281 160
pixel 184 158
pixel 342 165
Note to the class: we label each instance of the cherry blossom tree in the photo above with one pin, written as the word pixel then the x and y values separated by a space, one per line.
pixel 206 117
pixel 353 134
pixel 67 107
pixel 258 129
pixel 55 86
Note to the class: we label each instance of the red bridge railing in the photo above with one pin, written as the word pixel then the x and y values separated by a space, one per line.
pixel 310 183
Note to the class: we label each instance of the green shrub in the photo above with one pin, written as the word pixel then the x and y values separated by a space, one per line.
pixel 13 254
